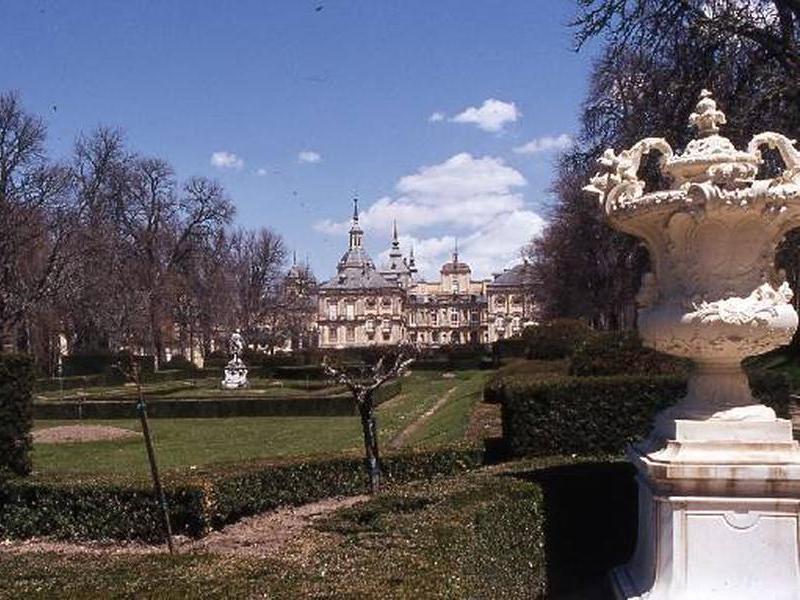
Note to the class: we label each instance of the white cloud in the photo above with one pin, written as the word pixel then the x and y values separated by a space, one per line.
pixel 309 156
pixel 474 198
pixel 436 117
pixel 226 160
pixel 545 144
pixel 261 172
pixel 492 115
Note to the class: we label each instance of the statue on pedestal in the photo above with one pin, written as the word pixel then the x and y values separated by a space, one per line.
pixel 235 370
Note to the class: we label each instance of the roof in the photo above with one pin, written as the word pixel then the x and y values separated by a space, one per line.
pixel 519 275
pixel 358 279
pixel 455 267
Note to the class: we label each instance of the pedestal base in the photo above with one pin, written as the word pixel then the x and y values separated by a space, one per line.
pixel 719 515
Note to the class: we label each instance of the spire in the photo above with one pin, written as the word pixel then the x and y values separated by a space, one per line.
pixel 395 241
pixel 394 230
pixel 356 233
pixel 294 257
pixel 455 252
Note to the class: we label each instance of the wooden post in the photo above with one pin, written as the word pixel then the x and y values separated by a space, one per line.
pixel 141 408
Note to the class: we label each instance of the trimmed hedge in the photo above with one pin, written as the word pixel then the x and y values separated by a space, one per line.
pixel 16 415
pixel 99 509
pixel 334 405
pixel 555 339
pixel 92 364
pixel 622 353
pixel 591 415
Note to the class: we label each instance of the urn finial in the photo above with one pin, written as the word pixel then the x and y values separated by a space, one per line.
pixel 707 117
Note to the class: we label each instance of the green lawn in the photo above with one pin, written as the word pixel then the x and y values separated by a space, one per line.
pixel 183 443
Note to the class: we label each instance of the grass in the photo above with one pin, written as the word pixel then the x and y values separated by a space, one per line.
pixel 184 443
pixel 516 531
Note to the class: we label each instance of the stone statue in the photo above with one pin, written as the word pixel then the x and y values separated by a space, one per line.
pixel 236 344
pixel 235 370
pixel 719 475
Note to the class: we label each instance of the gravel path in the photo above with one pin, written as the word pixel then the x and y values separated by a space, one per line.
pixel 68 434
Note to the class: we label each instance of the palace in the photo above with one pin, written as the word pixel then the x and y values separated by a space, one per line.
pixel 363 305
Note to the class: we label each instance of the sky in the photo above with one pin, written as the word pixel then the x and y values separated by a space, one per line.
pixel 443 115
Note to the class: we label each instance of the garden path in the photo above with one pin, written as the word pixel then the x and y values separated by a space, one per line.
pixel 402 438
pixel 284 532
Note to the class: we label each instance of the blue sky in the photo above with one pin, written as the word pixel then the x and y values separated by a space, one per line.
pixel 443 114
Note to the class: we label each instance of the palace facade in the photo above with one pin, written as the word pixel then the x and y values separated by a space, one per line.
pixel 363 305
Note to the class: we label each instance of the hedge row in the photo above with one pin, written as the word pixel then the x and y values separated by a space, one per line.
pixel 16 418
pixel 93 364
pixel 335 405
pixel 98 509
pixel 590 415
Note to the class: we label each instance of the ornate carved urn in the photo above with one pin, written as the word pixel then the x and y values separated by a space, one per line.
pixel 717 459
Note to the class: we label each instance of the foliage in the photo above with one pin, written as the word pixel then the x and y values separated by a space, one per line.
pixel 16 415
pixel 94 507
pixel 589 415
pixel 80 364
pixel 516 531
pixel 180 363
pixel 657 56
pixel 554 339
pixel 622 353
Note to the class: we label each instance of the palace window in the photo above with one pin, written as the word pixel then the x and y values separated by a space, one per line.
pixel 350 307
pixel 474 317
pixel 350 334
pixel 332 309
pixel 333 334
pixel 455 285
pixel 434 318
pixel 454 316
pixel 370 302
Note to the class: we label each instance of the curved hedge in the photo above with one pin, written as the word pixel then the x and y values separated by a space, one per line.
pixel 98 508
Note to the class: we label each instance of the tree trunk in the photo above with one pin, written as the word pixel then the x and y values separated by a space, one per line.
pixel 369 427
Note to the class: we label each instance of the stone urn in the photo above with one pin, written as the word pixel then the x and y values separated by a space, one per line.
pixel 719 476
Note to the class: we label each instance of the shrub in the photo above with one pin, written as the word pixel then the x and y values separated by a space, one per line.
pixel 555 339
pixel 16 413
pixel 180 363
pixel 622 353
pixel 92 364
pixel 98 508
pixel 591 415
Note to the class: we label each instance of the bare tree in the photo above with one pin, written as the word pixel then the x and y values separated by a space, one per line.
pixel 389 366
pixel 36 211
pixel 258 258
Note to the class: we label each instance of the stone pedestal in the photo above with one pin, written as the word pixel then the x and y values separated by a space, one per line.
pixel 235 375
pixel 719 513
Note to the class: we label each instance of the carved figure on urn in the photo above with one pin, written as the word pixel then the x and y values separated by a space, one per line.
pixel 714 294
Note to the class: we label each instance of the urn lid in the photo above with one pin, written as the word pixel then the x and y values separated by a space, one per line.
pixel 711 157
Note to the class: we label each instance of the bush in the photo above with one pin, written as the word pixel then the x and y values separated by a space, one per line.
pixel 180 363
pixel 16 413
pixel 555 339
pixel 98 509
pixel 595 415
pixel 105 363
pixel 622 353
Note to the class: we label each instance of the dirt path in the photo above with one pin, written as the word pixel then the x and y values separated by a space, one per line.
pixel 284 533
pixel 67 434
pixel 484 422
pixel 401 439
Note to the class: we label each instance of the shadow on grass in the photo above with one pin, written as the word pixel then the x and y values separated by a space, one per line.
pixel 591 514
